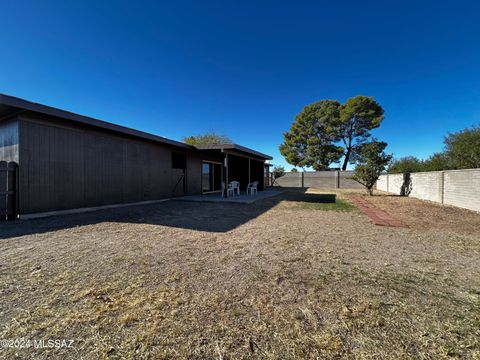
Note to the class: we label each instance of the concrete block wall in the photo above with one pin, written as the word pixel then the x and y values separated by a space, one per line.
pixel 290 179
pixel 346 181
pixel 395 183
pixel 319 180
pixel 462 188
pixel 427 186
pixel 382 183
pixel 459 188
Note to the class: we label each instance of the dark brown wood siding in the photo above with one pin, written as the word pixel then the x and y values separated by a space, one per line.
pixel 67 166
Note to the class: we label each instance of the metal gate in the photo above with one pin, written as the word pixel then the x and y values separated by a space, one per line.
pixel 8 190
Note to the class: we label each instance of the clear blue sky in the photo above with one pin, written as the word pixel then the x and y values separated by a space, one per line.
pixel 246 68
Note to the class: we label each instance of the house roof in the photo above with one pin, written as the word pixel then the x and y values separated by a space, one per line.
pixel 223 147
pixel 10 105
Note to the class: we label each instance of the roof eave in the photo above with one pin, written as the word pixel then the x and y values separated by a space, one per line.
pixel 18 103
pixel 25 105
pixel 223 147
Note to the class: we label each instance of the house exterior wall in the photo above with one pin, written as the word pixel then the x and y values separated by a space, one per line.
pixel 459 188
pixel 66 166
pixel 9 140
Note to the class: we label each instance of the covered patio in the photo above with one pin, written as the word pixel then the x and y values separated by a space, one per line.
pixel 231 162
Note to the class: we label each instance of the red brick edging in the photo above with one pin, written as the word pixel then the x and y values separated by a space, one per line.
pixel 377 216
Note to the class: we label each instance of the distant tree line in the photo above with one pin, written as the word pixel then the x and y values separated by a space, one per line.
pixel 208 138
pixel 461 151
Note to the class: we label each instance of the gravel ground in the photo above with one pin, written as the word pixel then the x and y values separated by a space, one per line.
pixel 283 278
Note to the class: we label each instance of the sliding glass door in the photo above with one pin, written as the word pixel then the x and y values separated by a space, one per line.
pixel 211 177
pixel 207 177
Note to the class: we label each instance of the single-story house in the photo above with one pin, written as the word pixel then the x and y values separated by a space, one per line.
pixel 69 161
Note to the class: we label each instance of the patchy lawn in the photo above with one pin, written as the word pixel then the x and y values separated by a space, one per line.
pixel 316 200
pixel 276 279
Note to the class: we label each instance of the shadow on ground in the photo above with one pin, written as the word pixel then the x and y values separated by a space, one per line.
pixel 211 217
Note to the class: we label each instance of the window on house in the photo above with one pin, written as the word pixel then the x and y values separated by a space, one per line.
pixel 179 160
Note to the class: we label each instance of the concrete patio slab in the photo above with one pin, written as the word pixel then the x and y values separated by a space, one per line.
pixel 243 198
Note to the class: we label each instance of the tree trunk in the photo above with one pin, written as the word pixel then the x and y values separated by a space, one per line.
pixel 347 157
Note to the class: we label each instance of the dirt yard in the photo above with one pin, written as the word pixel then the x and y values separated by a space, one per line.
pixel 283 278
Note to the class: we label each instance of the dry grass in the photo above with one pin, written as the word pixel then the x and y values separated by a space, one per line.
pixel 426 215
pixel 272 280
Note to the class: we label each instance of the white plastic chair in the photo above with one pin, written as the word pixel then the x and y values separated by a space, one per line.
pixel 252 188
pixel 229 190
pixel 236 186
